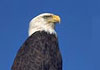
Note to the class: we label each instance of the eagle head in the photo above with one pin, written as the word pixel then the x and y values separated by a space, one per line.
pixel 44 22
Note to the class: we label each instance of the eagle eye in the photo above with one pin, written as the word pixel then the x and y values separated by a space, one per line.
pixel 47 16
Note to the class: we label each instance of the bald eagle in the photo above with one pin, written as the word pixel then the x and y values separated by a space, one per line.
pixel 40 51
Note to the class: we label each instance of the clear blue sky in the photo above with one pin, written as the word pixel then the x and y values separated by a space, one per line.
pixel 79 31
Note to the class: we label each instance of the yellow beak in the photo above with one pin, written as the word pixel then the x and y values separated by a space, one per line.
pixel 56 18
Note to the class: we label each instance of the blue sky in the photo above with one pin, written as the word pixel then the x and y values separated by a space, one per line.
pixel 79 31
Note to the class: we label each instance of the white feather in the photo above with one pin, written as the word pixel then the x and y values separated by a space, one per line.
pixel 40 24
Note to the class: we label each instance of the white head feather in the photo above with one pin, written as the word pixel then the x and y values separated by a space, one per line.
pixel 40 24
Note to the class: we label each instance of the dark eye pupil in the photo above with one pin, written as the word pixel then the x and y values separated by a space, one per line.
pixel 47 16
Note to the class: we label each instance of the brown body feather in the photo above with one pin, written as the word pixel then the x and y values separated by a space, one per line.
pixel 39 52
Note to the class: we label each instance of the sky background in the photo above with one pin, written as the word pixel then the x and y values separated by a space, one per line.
pixel 79 31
